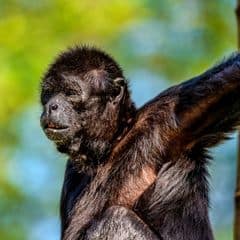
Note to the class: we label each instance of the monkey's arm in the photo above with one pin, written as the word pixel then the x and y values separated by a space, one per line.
pixel 197 113
pixel 207 107
pixel 119 223
pixel 184 120
pixel 73 185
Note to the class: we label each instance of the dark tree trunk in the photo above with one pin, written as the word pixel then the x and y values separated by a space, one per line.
pixel 237 196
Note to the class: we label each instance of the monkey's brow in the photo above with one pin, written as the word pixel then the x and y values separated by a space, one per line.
pixel 72 86
pixel 71 81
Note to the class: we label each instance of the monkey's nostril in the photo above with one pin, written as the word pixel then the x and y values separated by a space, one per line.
pixel 53 107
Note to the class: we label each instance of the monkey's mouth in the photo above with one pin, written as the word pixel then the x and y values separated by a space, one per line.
pixel 56 131
pixel 54 127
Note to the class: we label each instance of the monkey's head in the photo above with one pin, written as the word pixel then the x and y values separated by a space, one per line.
pixel 86 103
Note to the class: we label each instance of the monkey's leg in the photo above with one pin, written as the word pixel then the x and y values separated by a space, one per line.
pixel 119 223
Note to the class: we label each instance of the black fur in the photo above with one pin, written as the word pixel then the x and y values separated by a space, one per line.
pixel 152 161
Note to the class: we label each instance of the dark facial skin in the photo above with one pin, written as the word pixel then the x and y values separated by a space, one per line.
pixel 58 120
pixel 63 117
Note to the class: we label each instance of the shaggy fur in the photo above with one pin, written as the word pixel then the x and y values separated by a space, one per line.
pixel 136 174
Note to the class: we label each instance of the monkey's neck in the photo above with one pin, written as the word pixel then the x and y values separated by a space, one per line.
pixel 87 154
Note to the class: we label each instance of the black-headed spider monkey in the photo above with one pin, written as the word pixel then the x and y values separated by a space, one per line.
pixel 135 173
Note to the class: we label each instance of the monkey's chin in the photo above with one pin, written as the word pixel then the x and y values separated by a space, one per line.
pixel 58 135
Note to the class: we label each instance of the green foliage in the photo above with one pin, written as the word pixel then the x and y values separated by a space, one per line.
pixel 224 234
pixel 174 39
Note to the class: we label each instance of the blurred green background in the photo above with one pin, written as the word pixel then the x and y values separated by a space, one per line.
pixel 158 43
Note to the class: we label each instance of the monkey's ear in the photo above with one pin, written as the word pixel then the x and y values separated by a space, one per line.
pixel 120 96
pixel 119 84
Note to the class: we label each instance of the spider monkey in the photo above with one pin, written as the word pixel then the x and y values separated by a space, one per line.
pixel 135 173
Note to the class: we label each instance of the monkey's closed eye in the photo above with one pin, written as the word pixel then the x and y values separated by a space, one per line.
pixel 74 98
pixel 71 92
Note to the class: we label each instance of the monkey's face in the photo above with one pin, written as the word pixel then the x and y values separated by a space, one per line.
pixel 79 107
pixel 60 120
